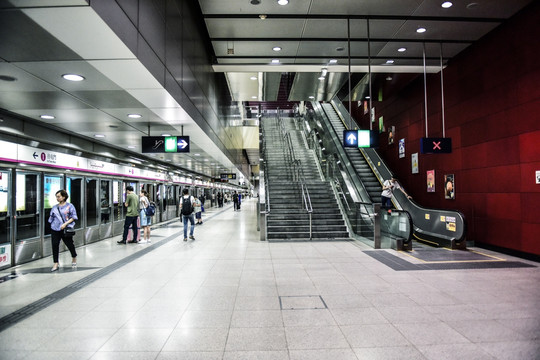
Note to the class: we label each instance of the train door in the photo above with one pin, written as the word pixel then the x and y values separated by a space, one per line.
pixel 105 227
pixel 171 201
pixel 6 213
pixel 119 214
pixel 27 219
pixel 51 184
pixel 74 188
pixel 92 210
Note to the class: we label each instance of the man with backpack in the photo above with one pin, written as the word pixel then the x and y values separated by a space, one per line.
pixel 187 205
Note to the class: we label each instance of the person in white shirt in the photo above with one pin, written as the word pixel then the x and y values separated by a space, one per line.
pixel 388 189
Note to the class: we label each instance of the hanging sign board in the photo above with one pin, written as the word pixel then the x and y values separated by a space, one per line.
pixel 165 144
pixel 436 145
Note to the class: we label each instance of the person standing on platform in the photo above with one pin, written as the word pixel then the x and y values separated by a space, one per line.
pixel 132 215
pixel 388 189
pixel 198 211
pixel 235 201
pixel 146 220
pixel 63 215
pixel 187 206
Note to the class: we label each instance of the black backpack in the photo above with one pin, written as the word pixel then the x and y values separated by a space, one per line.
pixel 187 206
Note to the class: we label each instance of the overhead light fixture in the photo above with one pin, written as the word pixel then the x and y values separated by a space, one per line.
pixel 99 135
pixel 275 61
pixel 253 97
pixel 324 71
pixel 446 4
pixel 333 61
pixel 253 78
pixel 389 62
pixel 311 97
pixel 283 2
pixel 131 146
pixel 276 48
pixel 255 2
pixel 166 135
pixel 46 117
pixel 421 30
pixel 321 78
pixel 402 49
pixel 135 116
pixel 262 16
pixel 388 78
pixel 73 77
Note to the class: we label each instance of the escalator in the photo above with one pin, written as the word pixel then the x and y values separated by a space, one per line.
pixel 437 227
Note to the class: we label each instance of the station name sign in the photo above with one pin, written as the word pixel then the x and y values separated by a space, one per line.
pixel 227 176
pixel 165 144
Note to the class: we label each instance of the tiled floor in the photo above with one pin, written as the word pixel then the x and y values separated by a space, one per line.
pixel 228 295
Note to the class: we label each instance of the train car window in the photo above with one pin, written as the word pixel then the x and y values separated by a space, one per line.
pixel 26 206
pixel 92 209
pixel 74 189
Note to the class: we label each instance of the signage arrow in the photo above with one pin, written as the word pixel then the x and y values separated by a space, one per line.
pixel 183 143
pixel 35 155
pixel 351 138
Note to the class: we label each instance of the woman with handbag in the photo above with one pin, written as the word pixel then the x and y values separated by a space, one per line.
pixel 146 220
pixel 62 220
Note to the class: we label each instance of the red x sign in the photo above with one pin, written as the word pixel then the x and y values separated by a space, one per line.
pixel 436 145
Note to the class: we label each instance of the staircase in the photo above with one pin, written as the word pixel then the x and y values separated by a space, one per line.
pixel 359 163
pixel 288 219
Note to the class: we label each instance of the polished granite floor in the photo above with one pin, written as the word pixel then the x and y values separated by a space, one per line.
pixel 228 295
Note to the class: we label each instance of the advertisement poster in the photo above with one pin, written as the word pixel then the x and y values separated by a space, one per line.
pixel 5 255
pixel 52 185
pixel 381 125
pixel 449 187
pixel 414 163
pixel 366 107
pixel 20 204
pixel 401 148
pixel 391 134
pixel 538 177
pixel 430 174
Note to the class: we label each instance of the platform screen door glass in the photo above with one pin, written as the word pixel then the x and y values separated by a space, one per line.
pixel 27 198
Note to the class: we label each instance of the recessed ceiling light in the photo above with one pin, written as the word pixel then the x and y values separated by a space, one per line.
pixel 446 4
pixel 253 78
pixel 197 154
pixel 255 2
pixel 388 78
pixel 402 49
pixel 368 97
pixel 253 97
pixel 312 97
pixel 283 2
pixel 333 61
pixel 135 116
pixel 46 117
pixel 324 71
pixel 131 146
pixel 99 135
pixel 321 78
pixel 276 48
pixel 165 134
pixel 262 16
pixel 389 61
pixel 73 77
pixel 275 61
pixel 421 30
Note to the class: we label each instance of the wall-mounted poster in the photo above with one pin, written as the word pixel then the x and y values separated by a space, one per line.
pixel 414 163
pixel 401 148
pixel 391 134
pixel 538 177
pixel 381 124
pixel 430 175
pixel 449 187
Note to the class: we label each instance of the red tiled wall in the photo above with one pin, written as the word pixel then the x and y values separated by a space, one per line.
pixel 492 114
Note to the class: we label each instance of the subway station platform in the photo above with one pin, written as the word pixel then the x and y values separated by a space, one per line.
pixel 227 295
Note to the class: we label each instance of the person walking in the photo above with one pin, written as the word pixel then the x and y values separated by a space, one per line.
pixel 132 215
pixel 235 201
pixel 388 189
pixel 63 216
pixel 187 206
pixel 198 211
pixel 146 220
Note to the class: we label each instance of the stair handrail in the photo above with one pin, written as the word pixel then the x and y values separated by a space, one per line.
pixel 265 171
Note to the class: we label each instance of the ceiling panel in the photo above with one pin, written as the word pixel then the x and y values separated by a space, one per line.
pixel 255 28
